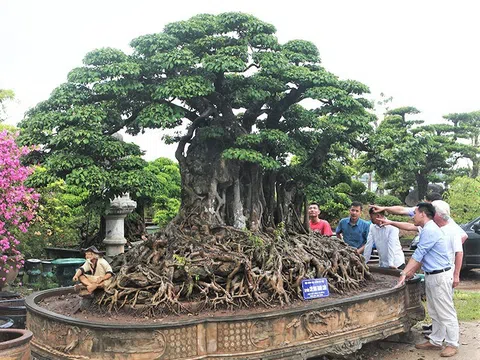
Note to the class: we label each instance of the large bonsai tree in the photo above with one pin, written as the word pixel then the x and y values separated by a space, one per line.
pixel 244 105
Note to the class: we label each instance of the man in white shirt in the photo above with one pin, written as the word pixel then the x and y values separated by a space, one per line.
pixel 454 236
pixel 387 242
pixel 453 233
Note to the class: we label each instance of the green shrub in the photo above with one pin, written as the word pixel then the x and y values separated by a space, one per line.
pixel 464 199
pixel 401 218
pixel 334 210
pixel 358 187
pixel 333 205
pixel 388 200
pixel 336 207
pixel 369 197
pixel 167 210
pixel 343 188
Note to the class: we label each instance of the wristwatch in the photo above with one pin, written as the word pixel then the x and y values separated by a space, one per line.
pixel 403 273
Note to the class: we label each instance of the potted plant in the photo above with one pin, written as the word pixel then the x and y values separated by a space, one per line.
pixel 18 205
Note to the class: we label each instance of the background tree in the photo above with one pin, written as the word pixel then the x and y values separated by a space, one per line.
pixel 406 154
pixel 239 93
pixel 166 202
pixel 467 126
pixel 62 220
pixel 77 145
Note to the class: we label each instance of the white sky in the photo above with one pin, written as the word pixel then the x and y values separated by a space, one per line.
pixel 423 53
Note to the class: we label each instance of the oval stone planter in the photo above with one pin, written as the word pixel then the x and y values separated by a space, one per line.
pixel 338 326
pixel 15 344
pixel 15 310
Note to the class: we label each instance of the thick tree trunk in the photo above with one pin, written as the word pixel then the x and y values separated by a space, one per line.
pixel 475 168
pixel 98 237
pixel 208 183
pixel 140 209
pixel 269 190
pixel 422 185
pixel 218 192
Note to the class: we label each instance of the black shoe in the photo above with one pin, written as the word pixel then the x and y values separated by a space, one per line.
pixel 427 327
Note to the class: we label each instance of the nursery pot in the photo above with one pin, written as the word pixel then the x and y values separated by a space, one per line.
pixel 66 268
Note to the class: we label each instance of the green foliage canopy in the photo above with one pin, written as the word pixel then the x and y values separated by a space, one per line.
pixel 467 126
pixel 226 77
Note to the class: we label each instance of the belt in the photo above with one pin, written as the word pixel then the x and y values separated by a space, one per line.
pixel 437 271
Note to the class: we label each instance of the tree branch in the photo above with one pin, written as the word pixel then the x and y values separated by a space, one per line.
pixel 250 66
pixel 188 136
pixel 252 114
pixel 124 123
pixel 277 111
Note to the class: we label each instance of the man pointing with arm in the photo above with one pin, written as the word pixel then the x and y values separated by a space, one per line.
pixel 432 255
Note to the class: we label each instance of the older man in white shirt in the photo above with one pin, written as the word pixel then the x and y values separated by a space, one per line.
pixel 453 233
pixel 440 281
pixel 387 242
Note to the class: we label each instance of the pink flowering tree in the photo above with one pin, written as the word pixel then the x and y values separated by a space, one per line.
pixel 17 202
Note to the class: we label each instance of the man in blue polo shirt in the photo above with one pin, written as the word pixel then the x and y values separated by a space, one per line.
pixel 353 230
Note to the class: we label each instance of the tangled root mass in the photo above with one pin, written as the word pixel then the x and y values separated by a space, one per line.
pixel 224 267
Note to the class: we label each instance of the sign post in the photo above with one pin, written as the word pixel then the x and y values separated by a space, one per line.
pixel 315 288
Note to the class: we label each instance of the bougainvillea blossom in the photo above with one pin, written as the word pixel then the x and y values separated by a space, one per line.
pixel 17 202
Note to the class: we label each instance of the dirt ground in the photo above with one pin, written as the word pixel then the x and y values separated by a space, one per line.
pixel 470 280
pixel 404 349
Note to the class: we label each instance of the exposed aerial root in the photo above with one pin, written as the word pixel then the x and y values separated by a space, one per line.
pixel 223 267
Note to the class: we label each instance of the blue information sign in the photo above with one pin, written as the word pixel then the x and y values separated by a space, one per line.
pixel 315 288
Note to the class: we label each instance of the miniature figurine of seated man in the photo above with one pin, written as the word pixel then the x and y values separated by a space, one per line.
pixel 95 273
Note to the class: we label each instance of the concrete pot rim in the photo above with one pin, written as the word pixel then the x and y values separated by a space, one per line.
pixel 24 337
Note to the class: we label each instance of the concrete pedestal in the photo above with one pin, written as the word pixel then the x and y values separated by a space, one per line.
pixel 115 240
